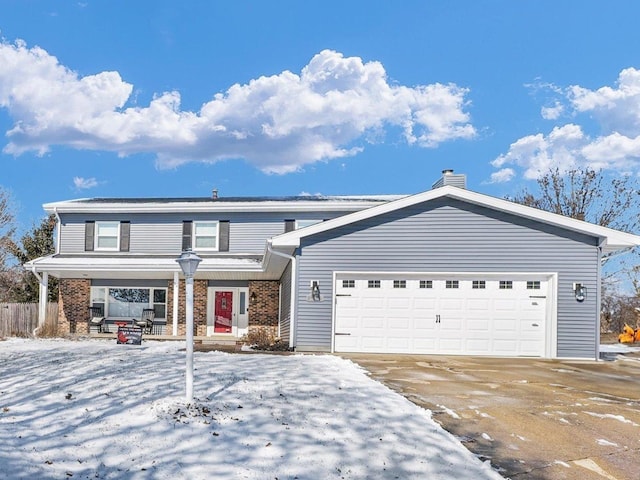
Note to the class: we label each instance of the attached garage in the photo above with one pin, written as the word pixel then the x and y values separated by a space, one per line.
pixel 503 314
pixel 448 271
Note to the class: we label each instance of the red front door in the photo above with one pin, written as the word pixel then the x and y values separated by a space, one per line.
pixel 223 312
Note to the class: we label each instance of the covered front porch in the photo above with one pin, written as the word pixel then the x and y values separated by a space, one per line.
pixel 231 296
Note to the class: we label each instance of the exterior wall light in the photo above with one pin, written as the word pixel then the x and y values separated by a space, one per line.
pixel 315 291
pixel 253 298
pixel 580 292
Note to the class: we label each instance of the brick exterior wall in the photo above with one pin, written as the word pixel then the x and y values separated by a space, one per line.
pixel 199 308
pixel 265 311
pixel 75 295
pixel 73 305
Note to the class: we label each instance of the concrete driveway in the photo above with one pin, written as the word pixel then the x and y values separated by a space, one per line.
pixel 534 419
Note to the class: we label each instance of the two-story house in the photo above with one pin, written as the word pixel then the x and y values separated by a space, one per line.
pixel 447 270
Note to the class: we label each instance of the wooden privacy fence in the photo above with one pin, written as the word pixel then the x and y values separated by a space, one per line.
pixel 20 319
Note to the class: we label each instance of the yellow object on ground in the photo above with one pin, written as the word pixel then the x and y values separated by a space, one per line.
pixel 629 335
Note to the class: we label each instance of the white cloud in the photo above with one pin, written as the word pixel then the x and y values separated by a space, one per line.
pixel 279 123
pixel 536 154
pixel 552 113
pixel 503 175
pixel 614 146
pixel 84 183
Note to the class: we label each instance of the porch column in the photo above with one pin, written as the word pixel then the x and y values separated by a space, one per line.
pixel 42 298
pixel 176 285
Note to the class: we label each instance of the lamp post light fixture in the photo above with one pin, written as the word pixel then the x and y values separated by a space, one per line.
pixel 188 262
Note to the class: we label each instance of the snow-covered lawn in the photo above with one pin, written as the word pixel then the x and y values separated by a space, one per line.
pixel 94 409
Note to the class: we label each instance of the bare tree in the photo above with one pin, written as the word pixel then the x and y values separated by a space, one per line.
pixel 7 228
pixel 586 194
pixel 37 243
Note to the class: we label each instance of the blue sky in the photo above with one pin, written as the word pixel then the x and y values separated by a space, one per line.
pixel 159 98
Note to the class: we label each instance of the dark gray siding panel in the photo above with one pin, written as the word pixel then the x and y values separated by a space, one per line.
pixel 89 233
pixel 451 236
pixel 285 304
pixel 125 231
pixel 224 236
pixel 187 232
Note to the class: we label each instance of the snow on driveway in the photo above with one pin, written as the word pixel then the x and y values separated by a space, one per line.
pixel 94 409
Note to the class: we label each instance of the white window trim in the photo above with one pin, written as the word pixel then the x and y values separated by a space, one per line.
pixel 96 237
pixel 194 237
pixel 105 293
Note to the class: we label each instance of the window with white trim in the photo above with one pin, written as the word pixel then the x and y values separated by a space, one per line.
pixel 128 302
pixel 373 284
pixel 452 284
pixel 426 283
pixel 107 235
pixel 348 284
pixel 399 284
pixel 506 285
pixel 205 235
pixel 533 285
pixel 478 284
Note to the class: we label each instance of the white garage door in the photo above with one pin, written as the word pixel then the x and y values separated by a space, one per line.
pixel 463 315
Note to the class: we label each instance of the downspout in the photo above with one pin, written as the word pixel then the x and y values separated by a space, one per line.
pixel 291 258
pixel 58 228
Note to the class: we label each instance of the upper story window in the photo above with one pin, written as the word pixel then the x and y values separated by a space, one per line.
pixel 205 235
pixel 107 235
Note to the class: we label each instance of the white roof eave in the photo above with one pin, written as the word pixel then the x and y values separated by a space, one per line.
pixel 334 203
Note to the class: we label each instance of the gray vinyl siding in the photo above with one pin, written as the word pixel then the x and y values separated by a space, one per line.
pixel 162 233
pixel 250 236
pixel 451 236
pixel 285 303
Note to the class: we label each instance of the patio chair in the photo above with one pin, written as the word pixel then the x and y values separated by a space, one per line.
pixel 96 318
pixel 146 320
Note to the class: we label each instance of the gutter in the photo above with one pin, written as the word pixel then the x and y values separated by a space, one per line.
pixel 291 258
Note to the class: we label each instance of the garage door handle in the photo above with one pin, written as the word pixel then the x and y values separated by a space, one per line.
pixel 343 294
pixel 535 325
pixel 537 296
pixel 338 333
